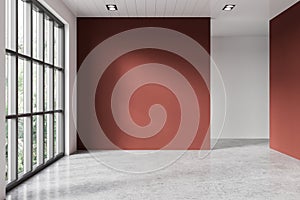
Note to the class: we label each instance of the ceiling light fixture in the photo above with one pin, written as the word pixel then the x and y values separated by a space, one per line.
pixel 111 7
pixel 229 7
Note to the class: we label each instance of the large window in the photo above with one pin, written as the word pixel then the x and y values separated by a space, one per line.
pixel 34 89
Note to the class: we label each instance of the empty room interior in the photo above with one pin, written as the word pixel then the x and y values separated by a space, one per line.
pixel 149 99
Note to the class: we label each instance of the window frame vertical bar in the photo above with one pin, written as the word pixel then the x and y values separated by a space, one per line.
pixel 43 34
pixel 63 88
pixel 53 87
pixel 17 100
pixel 31 86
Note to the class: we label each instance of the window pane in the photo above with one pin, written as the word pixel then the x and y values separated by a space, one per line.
pixel 27 144
pixel 10 84
pixel 10 24
pixel 58 90
pixel 12 149
pixel 37 35
pixel 34 141
pixel 34 86
pixel 24 93
pixel 20 146
pixel 48 137
pixel 48 40
pixel 40 139
pixel 58 131
pixel 58 46
pixel 21 85
pixel 48 88
pixel 27 86
pixel 24 27
pixel 37 86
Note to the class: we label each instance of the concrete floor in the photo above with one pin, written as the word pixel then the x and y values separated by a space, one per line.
pixel 235 169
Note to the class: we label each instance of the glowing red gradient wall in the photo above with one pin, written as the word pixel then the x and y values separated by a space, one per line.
pixel 285 82
pixel 93 31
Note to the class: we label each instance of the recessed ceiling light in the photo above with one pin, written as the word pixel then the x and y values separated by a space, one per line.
pixel 228 7
pixel 111 7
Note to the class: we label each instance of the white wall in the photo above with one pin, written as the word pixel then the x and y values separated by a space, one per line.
pixel 66 16
pixel 2 99
pixel 243 62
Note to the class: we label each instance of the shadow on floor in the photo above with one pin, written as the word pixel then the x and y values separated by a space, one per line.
pixel 230 143
pixel 221 144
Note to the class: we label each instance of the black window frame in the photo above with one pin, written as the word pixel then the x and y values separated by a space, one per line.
pixel 44 64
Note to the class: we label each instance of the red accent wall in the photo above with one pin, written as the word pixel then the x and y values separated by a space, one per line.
pixel 285 82
pixel 93 31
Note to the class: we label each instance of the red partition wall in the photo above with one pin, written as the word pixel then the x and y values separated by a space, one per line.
pixel 92 32
pixel 285 82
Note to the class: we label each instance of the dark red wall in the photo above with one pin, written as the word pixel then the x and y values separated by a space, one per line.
pixel 285 82
pixel 93 31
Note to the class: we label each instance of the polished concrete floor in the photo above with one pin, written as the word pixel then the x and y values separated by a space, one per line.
pixel 235 169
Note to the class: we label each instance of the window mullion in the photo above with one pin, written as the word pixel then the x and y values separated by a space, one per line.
pixel 15 147
pixel 43 72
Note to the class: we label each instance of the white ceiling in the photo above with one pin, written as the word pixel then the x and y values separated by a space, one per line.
pixel 249 17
